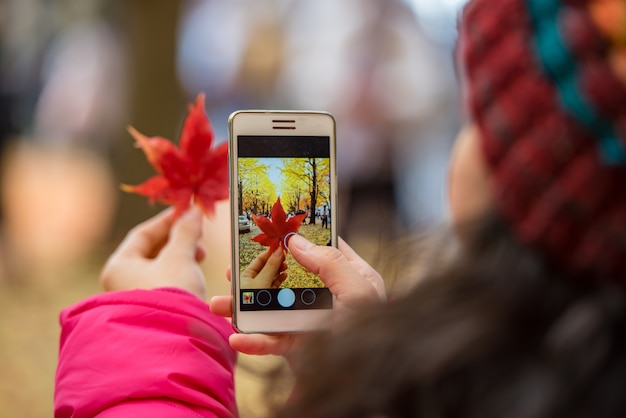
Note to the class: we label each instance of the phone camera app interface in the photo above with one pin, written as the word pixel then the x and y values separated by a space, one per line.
pixel 284 189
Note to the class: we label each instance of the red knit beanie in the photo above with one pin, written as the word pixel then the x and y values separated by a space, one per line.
pixel 546 84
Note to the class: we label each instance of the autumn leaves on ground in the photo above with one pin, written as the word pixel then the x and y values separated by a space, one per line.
pixel 297 276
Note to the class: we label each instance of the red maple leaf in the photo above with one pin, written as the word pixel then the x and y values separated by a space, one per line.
pixel 192 171
pixel 277 228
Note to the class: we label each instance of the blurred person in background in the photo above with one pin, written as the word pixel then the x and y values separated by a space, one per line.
pixel 20 55
pixel 522 316
pixel 234 52
pixel 66 69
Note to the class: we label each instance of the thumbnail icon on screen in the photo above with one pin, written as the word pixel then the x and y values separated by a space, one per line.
pixel 248 298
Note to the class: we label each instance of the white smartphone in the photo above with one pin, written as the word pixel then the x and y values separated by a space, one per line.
pixel 282 182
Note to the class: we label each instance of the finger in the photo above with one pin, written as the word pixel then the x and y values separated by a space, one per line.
pixel 362 266
pixel 257 264
pixel 221 305
pixel 274 263
pixel 334 269
pixel 200 253
pixel 185 235
pixel 261 344
pixel 147 237
pixel 318 259
pixel 279 280
pixel 229 273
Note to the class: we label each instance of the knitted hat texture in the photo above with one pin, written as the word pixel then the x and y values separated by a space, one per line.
pixel 546 87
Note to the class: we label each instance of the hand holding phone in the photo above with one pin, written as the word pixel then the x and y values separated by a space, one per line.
pixel 350 278
pixel 283 182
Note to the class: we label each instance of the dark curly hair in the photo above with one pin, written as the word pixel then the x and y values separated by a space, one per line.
pixel 496 332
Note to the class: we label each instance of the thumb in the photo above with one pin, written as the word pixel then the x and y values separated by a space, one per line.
pixel 331 265
pixel 334 269
pixel 185 234
pixel 261 344
pixel 274 262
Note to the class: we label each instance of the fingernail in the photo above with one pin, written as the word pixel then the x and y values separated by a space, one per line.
pixel 299 242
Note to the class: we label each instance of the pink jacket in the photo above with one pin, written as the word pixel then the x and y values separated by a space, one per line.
pixel 144 353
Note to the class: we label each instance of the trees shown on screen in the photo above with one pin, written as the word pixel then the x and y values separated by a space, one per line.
pixel 305 184
pixel 256 192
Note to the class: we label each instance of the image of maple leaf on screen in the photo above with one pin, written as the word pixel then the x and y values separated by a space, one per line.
pixel 277 228
pixel 193 171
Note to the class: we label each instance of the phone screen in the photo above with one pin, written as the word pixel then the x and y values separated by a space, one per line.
pixel 284 187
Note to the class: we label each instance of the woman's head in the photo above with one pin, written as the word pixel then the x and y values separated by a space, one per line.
pixel 546 92
pixel 493 334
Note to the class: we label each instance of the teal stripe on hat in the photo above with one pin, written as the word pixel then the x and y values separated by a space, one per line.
pixel 561 66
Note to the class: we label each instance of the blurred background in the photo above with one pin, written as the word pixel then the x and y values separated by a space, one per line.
pixel 75 73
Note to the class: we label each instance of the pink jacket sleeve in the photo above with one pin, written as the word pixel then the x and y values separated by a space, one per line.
pixel 144 353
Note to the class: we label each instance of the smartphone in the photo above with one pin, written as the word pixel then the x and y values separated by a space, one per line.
pixel 282 182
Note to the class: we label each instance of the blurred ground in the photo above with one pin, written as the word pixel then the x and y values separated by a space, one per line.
pixel 29 333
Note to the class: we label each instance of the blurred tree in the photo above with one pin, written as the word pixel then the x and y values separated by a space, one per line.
pixel 256 191
pixel 310 174
pixel 157 105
